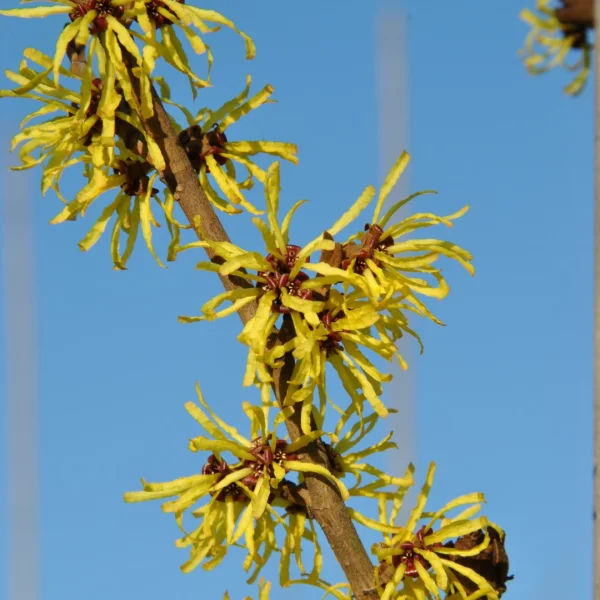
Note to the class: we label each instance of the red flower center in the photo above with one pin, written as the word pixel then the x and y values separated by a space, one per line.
pixel 103 8
pixel 360 253
pixel 279 278
pixel 409 557
pixel 160 20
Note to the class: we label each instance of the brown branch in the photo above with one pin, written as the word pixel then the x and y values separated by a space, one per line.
pixel 325 501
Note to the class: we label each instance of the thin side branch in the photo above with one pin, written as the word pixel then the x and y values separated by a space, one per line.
pixel 324 500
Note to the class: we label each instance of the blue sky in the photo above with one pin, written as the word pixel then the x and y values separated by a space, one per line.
pixel 503 392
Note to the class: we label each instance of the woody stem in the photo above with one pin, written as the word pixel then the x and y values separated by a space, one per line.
pixel 325 501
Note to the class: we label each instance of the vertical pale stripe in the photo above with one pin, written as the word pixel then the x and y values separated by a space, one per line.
pixel 20 430
pixel 392 96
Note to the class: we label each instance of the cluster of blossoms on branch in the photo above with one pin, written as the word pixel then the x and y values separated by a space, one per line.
pixel 558 32
pixel 356 304
pixel 338 304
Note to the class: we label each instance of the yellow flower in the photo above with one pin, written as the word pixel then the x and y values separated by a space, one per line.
pixel 346 330
pixel 111 22
pixel 358 302
pixel 382 277
pixel 550 42
pixel 244 491
pixel 379 265
pixel 348 461
pixel 106 22
pixel 83 134
pixel 210 152
pixel 160 15
pixel 62 137
pixel 276 291
pixel 414 560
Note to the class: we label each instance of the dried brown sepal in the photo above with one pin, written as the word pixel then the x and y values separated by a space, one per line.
pixel 77 58
pixel 160 20
pixel 577 16
pixel 332 257
pixel 217 466
pixel 385 573
pixel 333 457
pixel 198 145
pixel 360 252
pixel 491 563
pixel 579 13
pixel 297 496
pixel 136 172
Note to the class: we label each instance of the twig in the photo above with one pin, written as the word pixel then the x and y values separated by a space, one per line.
pixel 325 501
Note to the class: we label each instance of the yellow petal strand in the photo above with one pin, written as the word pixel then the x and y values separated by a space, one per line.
pixel 202 419
pixel 355 210
pixel 285 224
pixel 215 17
pixel 437 566
pixel 66 35
pixel 472 552
pixel 391 586
pixel 366 387
pixel 303 440
pixel 182 484
pixel 390 182
pixel 145 220
pixel 243 524
pixel 371 523
pixel 93 235
pixel 249 260
pixel 272 189
pixel 415 514
pixel 38 11
pixel 202 443
pixel 264 592
pixel 427 580
pixel 226 108
pixel 398 205
pixel 248 106
pixel 262 491
pixel 456 529
pixel 198 555
pixel 302 467
pixel 474 498
pixel 477 579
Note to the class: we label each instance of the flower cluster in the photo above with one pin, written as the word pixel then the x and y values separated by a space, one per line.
pixel 241 493
pixel 211 152
pixel 338 304
pixel 94 128
pixel 356 303
pixel 551 41
pixel 462 556
pixel 112 23
pixel 252 485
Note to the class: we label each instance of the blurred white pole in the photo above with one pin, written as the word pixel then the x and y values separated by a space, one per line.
pixel 21 426
pixel 392 89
